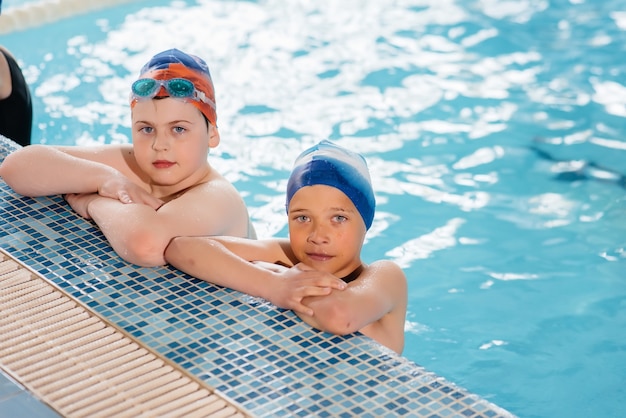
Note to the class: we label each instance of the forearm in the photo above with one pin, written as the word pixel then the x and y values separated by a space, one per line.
pixel 378 291
pixel 334 313
pixel 209 260
pixel 39 170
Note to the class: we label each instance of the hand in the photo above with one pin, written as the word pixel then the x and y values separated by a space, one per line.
pixel 124 190
pixel 80 202
pixel 299 282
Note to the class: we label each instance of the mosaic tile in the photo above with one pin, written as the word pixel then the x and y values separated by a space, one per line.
pixel 264 358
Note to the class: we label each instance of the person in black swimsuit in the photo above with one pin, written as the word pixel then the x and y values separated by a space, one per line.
pixel 16 111
pixel 317 271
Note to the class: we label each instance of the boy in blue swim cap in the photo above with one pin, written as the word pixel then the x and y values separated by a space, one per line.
pixel 143 194
pixel 318 271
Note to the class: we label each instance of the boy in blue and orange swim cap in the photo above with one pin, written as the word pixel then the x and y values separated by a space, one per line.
pixel 317 271
pixel 143 194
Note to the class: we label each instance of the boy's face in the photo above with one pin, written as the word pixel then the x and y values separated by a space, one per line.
pixel 325 230
pixel 171 140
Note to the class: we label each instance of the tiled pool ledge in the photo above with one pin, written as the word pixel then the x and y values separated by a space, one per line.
pixel 264 359
pixel 81 365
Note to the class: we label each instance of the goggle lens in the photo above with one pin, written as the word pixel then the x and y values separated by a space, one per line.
pixel 147 88
pixel 179 87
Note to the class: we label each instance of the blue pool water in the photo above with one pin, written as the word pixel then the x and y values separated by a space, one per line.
pixel 494 131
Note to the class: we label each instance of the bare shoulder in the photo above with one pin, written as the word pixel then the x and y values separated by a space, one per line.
pixel 206 198
pixel 386 278
pixel 216 189
pixel 6 51
pixel 211 207
pixel 387 270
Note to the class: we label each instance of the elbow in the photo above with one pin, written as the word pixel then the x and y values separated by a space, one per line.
pixel 10 162
pixel 145 249
pixel 9 171
pixel 336 320
pixel 14 167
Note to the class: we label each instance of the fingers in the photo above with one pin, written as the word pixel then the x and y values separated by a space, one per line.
pixel 78 202
pixel 304 267
pixel 327 281
pixel 301 282
pixel 124 190
pixel 124 197
pixel 338 284
pixel 291 297
pixel 302 309
pixel 70 198
pixel 142 197
pixel 322 279
pixel 316 291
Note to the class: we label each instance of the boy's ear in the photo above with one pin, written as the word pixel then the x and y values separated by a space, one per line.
pixel 214 136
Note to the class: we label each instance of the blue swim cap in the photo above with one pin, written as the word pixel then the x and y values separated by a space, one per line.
pixel 329 164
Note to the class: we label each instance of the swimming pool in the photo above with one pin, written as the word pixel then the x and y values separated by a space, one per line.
pixel 494 132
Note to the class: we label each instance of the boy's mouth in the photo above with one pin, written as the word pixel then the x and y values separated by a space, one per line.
pixel 163 164
pixel 319 256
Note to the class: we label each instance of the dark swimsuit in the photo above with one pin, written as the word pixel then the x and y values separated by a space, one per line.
pixel 350 277
pixel 16 111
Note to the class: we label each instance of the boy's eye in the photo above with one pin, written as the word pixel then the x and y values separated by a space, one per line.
pixel 340 218
pixel 179 129
pixel 147 129
pixel 302 218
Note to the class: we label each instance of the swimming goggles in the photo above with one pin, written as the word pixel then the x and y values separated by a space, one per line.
pixel 177 88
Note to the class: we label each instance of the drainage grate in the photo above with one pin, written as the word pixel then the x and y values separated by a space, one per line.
pixel 81 365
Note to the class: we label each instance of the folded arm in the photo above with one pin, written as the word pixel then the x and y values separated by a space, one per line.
pixel 380 290
pixel 41 170
pixel 135 231
pixel 140 233
pixel 226 261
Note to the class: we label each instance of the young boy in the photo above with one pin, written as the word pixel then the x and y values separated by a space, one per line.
pixel 142 195
pixel 330 206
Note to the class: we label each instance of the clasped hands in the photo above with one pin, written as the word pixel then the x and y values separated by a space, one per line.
pixel 297 283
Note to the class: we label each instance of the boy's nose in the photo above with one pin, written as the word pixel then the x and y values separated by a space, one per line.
pixel 161 142
pixel 318 235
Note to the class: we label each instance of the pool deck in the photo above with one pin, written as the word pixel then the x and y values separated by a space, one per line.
pixel 256 359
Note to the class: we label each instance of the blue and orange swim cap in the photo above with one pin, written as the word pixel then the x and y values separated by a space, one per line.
pixel 174 63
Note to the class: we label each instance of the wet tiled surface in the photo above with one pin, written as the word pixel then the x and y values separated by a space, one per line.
pixel 261 357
